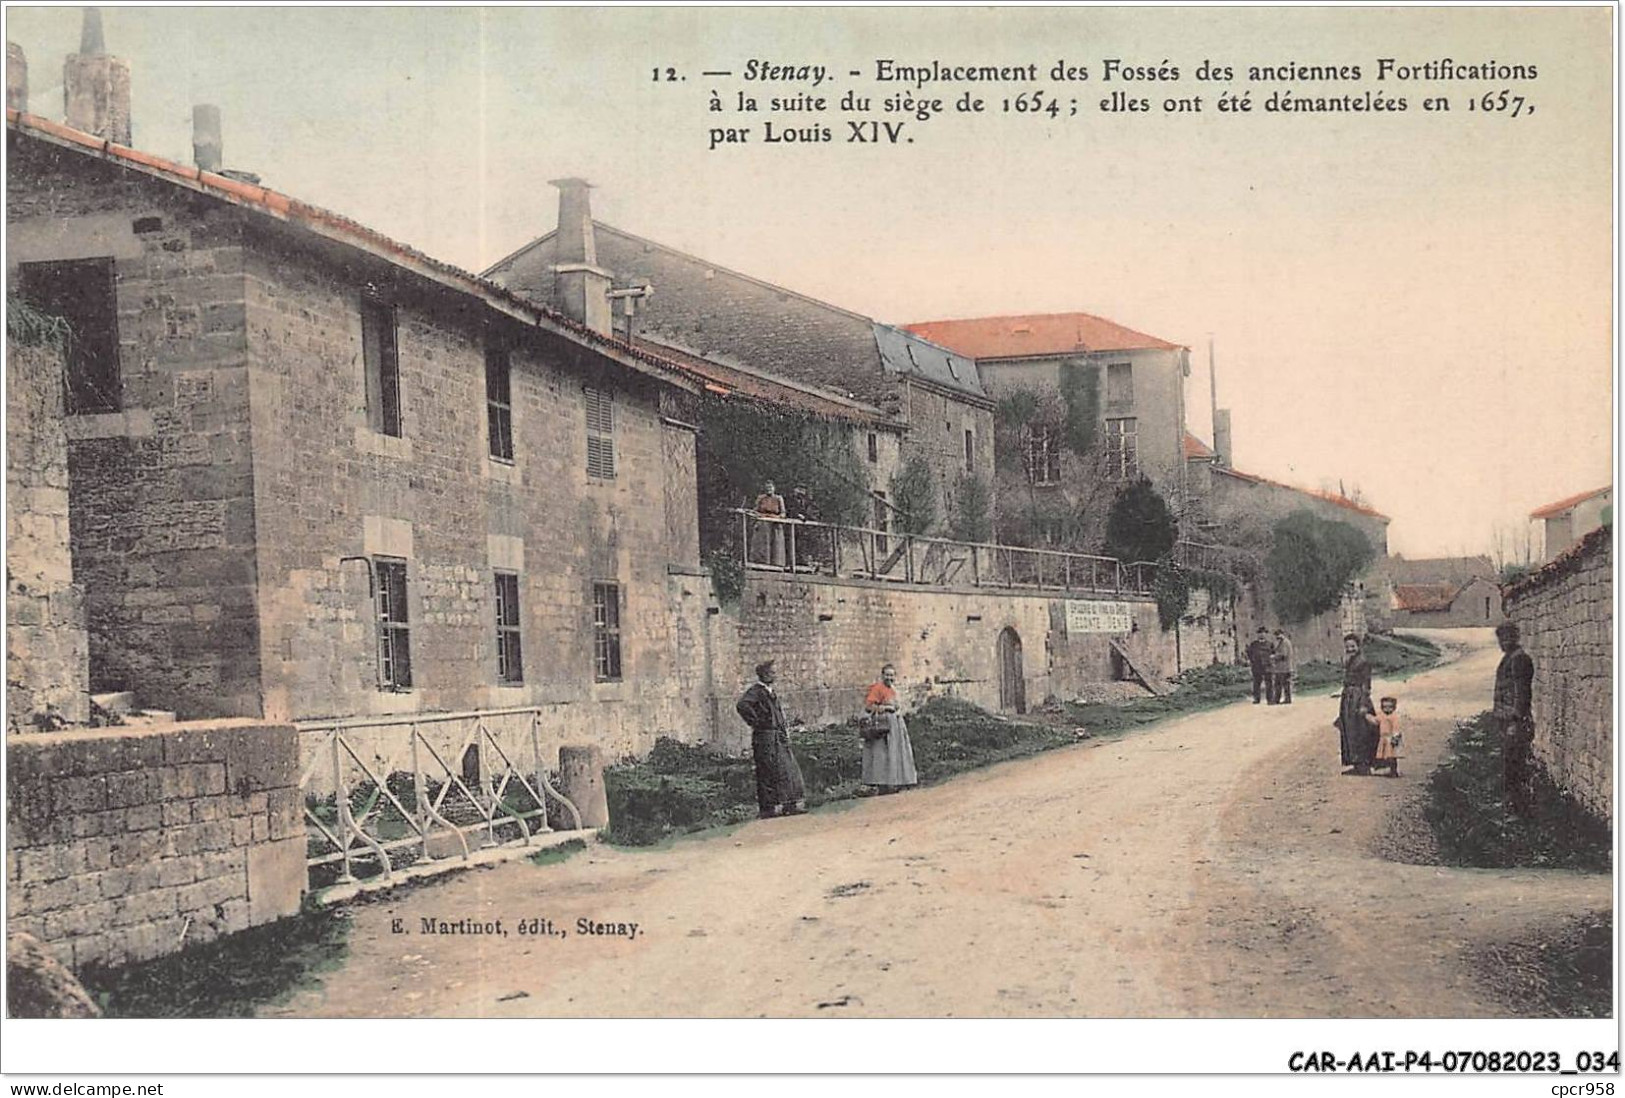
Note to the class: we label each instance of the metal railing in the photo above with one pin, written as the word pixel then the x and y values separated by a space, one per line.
pixel 385 792
pixel 771 543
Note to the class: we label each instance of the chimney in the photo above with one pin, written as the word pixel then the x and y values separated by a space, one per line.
pixel 580 286
pixel 1221 437
pixel 96 87
pixel 16 78
pixel 206 147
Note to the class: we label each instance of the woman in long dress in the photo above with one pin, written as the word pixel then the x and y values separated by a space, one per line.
pixel 1356 716
pixel 888 757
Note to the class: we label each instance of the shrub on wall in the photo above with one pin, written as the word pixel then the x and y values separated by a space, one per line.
pixel 972 518
pixel 1139 525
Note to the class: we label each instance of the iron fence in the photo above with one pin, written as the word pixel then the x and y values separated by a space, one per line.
pixel 385 792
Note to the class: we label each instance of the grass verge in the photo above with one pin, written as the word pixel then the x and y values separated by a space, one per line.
pixel 553 855
pixel 1561 972
pixel 678 789
pixel 228 978
pixel 1467 810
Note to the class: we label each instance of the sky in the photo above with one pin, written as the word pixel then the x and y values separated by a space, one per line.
pixel 1416 306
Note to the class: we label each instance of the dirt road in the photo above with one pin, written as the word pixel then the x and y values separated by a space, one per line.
pixel 1218 865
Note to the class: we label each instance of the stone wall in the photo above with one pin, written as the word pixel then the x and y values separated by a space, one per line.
pixel 1565 614
pixel 937 423
pixel 829 640
pixel 162 509
pixel 47 654
pixel 125 844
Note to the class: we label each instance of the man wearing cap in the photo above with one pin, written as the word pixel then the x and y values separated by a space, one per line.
pixel 1282 667
pixel 1512 703
pixel 779 788
pixel 1258 658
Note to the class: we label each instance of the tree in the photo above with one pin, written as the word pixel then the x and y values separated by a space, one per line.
pixel 914 497
pixel 972 519
pixel 1139 525
pixel 1310 563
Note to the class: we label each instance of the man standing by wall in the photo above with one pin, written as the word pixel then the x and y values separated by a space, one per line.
pixel 1258 658
pixel 779 788
pixel 1281 667
pixel 1514 690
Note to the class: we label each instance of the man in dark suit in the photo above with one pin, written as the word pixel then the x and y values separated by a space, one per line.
pixel 1259 653
pixel 1513 698
pixel 779 788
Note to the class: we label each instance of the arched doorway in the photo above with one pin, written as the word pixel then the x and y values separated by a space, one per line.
pixel 1012 683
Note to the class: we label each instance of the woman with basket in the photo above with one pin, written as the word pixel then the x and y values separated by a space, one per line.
pixel 888 757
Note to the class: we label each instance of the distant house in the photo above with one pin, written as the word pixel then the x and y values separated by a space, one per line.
pixel 1565 522
pixel 1130 383
pixel 933 398
pixel 1475 602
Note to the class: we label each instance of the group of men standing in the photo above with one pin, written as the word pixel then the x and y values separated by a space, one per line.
pixel 1272 665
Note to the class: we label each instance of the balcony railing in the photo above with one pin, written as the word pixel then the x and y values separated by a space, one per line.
pixel 772 544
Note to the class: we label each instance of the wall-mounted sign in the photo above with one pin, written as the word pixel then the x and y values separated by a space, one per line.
pixel 1090 616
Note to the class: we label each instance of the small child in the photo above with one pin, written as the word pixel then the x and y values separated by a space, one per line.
pixel 1388 737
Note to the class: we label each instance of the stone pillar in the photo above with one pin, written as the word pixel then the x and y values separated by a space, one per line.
pixel 16 78
pixel 96 86
pixel 581 779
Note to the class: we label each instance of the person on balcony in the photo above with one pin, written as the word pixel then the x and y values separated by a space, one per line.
pixel 888 756
pixel 780 790
pixel 770 505
pixel 805 544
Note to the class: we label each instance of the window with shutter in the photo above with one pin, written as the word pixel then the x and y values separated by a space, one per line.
pixel 600 434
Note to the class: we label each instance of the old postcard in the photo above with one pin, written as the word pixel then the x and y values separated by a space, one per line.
pixel 1092 514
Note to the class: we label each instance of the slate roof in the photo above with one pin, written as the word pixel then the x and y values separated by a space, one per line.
pixel 729 381
pixel 907 354
pixel 716 311
pixel 1552 510
pixel 338 228
pixel 1037 335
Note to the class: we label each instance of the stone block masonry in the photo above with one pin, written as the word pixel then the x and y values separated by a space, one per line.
pixel 1565 615
pixel 124 845
pixel 47 657
pixel 830 639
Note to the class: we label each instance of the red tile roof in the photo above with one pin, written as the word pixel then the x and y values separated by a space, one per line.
pixel 1329 497
pixel 1424 596
pixel 1552 510
pixel 337 227
pixel 726 381
pixel 1039 334
pixel 1195 448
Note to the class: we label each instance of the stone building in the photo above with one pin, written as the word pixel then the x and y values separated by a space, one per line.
pixel 697 308
pixel 1564 523
pixel 1133 385
pixel 315 472
pixel 1448 606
